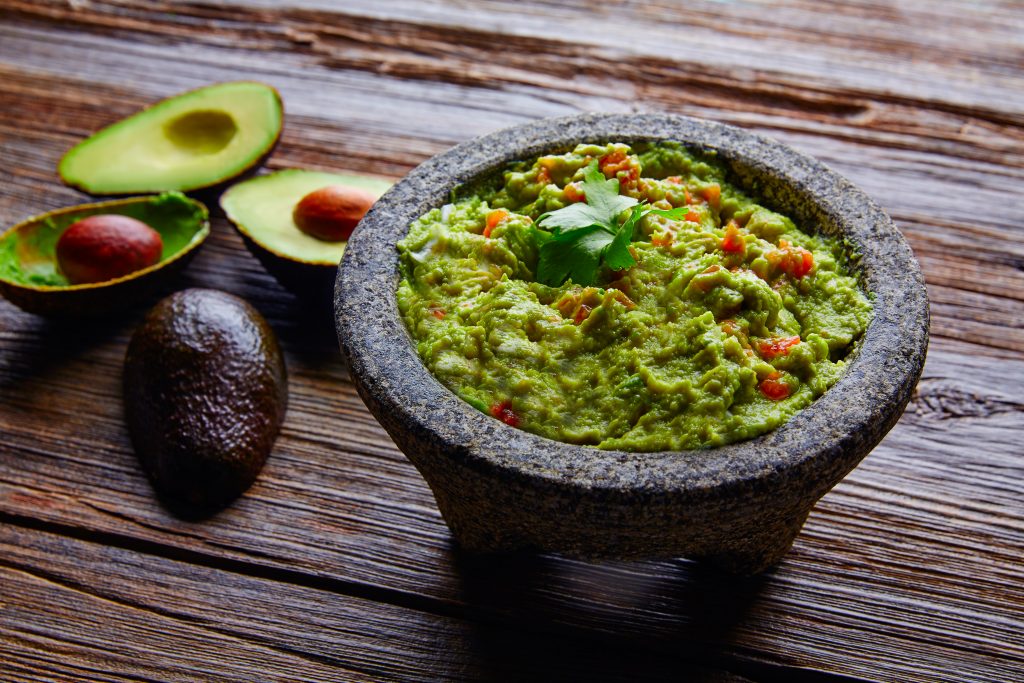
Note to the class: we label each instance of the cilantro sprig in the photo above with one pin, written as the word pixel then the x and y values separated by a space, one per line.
pixel 583 235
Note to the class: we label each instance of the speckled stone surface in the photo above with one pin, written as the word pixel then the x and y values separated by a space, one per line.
pixel 741 505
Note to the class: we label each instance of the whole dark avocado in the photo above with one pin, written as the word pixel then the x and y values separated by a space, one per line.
pixel 205 391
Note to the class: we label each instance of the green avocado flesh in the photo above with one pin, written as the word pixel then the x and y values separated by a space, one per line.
pixel 194 140
pixel 730 322
pixel 262 208
pixel 28 251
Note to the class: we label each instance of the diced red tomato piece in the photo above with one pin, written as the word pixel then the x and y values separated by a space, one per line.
pixel 619 162
pixel 611 163
pixel 662 240
pixel 581 313
pixel 806 264
pixel 794 261
pixel 692 217
pixel 733 241
pixel 773 387
pixel 437 313
pixel 493 218
pixel 776 346
pixel 503 411
pixel 573 193
pixel 712 194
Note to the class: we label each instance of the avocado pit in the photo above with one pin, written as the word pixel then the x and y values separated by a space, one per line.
pixel 105 247
pixel 331 213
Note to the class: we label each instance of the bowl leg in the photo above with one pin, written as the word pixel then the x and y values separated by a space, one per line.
pixel 480 530
pixel 758 551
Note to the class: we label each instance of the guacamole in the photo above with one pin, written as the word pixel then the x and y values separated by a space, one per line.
pixel 729 320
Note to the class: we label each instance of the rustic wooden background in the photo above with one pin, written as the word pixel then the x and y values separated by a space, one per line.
pixel 336 565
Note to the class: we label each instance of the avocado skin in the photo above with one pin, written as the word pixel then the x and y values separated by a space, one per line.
pixel 95 301
pixel 205 392
pixel 312 283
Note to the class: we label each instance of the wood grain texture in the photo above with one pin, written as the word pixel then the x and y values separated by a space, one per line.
pixel 81 610
pixel 909 570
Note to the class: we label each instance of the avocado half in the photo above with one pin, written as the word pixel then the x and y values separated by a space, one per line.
pixel 261 209
pixel 191 141
pixel 31 279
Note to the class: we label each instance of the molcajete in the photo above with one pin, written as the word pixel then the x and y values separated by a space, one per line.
pixel 740 505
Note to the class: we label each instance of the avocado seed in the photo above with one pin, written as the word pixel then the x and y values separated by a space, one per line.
pixel 332 213
pixel 107 246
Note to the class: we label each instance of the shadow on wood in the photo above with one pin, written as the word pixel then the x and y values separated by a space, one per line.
pixel 704 605
pixel 41 346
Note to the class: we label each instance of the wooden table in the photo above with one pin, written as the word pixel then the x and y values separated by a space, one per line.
pixel 336 565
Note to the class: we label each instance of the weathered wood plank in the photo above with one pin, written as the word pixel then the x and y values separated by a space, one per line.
pixel 76 609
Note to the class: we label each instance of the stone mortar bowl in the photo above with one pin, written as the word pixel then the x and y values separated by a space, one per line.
pixel 739 506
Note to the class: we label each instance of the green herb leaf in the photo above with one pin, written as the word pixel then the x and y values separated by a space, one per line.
pixel 584 234
pixel 603 195
pixel 576 258
pixel 572 217
pixel 617 254
pixel 674 214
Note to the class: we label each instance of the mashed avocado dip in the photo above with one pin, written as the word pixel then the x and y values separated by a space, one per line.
pixel 707 320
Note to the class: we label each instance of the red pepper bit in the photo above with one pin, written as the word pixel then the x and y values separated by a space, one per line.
pixel 619 162
pixel 806 263
pixel 794 261
pixel 631 177
pixel 573 193
pixel 662 240
pixel 773 388
pixel 493 218
pixel 611 163
pixel 712 194
pixel 776 346
pixel 733 241
pixel 503 411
